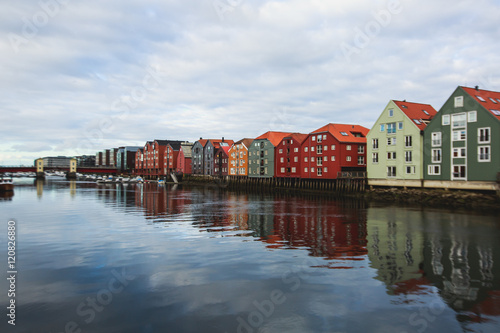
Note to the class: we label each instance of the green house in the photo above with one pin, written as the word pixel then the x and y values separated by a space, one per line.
pixel 395 144
pixel 261 154
pixel 463 142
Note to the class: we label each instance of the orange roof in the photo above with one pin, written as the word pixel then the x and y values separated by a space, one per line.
pixel 273 137
pixel 299 137
pixel 490 100
pixel 203 142
pixel 345 132
pixel 420 114
pixel 216 142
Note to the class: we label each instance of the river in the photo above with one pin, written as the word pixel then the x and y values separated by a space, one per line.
pixel 148 258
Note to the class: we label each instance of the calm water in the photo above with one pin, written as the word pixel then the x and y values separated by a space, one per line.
pixel 144 258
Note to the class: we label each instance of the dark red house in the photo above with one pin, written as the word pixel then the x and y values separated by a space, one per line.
pixel 288 152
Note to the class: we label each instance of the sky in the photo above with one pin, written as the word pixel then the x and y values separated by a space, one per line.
pixel 78 76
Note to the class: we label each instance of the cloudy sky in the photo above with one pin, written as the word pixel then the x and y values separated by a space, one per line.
pixel 80 76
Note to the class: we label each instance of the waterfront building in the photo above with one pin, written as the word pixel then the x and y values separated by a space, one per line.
pixel 184 159
pixel 332 149
pixel 85 161
pixel 261 154
pixel 209 154
pixel 395 144
pixel 238 157
pixel 463 142
pixel 221 162
pixel 98 159
pixel 172 154
pixel 125 158
pixel 289 156
pixel 139 162
pixel 197 156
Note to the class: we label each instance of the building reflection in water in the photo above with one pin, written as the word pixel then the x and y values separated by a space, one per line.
pixel 413 252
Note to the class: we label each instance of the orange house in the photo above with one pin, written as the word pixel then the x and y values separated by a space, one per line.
pixel 238 157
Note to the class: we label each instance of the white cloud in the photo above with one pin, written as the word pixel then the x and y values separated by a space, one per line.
pixel 234 77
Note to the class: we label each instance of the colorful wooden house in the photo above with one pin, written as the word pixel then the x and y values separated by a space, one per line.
pixel 184 159
pixel 197 156
pixel 173 148
pixel 209 154
pixel 221 161
pixel 332 149
pixel 289 156
pixel 261 155
pixel 238 157
pixel 395 144
pixel 139 162
pixel 462 147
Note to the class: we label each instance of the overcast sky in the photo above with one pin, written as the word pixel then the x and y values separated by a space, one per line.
pixel 80 76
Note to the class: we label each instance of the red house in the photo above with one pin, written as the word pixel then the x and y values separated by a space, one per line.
pixel 184 160
pixel 288 154
pixel 139 162
pixel 334 148
pixel 221 160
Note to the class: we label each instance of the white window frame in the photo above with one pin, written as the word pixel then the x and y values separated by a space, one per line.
pixel 408 156
pixel 431 170
pixel 459 151
pixel 436 139
pixel 479 154
pixel 457 135
pixel 410 139
pixel 459 101
pixel 375 158
pixel 436 153
pixel 348 158
pixel 411 168
pixel 391 172
pixel 461 123
pixel 375 143
pixel 445 120
pixel 472 116
pixel 486 129
pixel 348 147
pixel 332 158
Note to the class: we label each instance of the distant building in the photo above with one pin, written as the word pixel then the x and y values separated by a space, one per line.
pixel 184 158
pixel 238 157
pixel 56 162
pixel 261 154
pixel 85 161
pixel 125 158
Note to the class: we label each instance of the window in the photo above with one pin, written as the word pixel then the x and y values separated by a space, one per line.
pixel 344 133
pixel 319 160
pixel 480 98
pixel 305 169
pixel 295 150
pixel 281 159
pixel 320 138
pixel 348 147
pixel 391 155
pixel 436 139
pixel 408 156
pixel 434 170
pixel 312 148
pixel 391 128
pixel 436 155
pixel 459 152
pixel 459 135
pixel 408 141
pixel 332 158
pixel 400 125
pixel 312 169
pixel 472 116
pixel 375 158
pixel 281 151
pixel 445 119
pixel 313 138
pixel 391 112
pixel 333 147
pixel 361 149
pixel 410 170
pixel 458 120
pixel 382 127
pixel 483 154
pixel 425 111
pixel 306 149
pixel 293 170
pixel 361 160
pixel 305 159
pixel 459 172
pixel 391 171
pixel 319 171
pixel 459 101
pixel 325 169
pixel 296 159
pixel 348 158
pixel 319 149
pixel 282 170
pixel 483 135
pixel 325 148
pixel 324 136
pixel 375 143
pixel 391 141
pixel 495 112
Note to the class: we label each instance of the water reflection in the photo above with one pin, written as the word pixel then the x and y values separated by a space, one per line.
pixel 203 258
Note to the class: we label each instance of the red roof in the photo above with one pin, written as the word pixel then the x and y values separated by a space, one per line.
pixel 345 132
pixel 274 137
pixel 420 114
pixel 299 137
pixel 216 142
pixel 490 100
pixel 203 142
